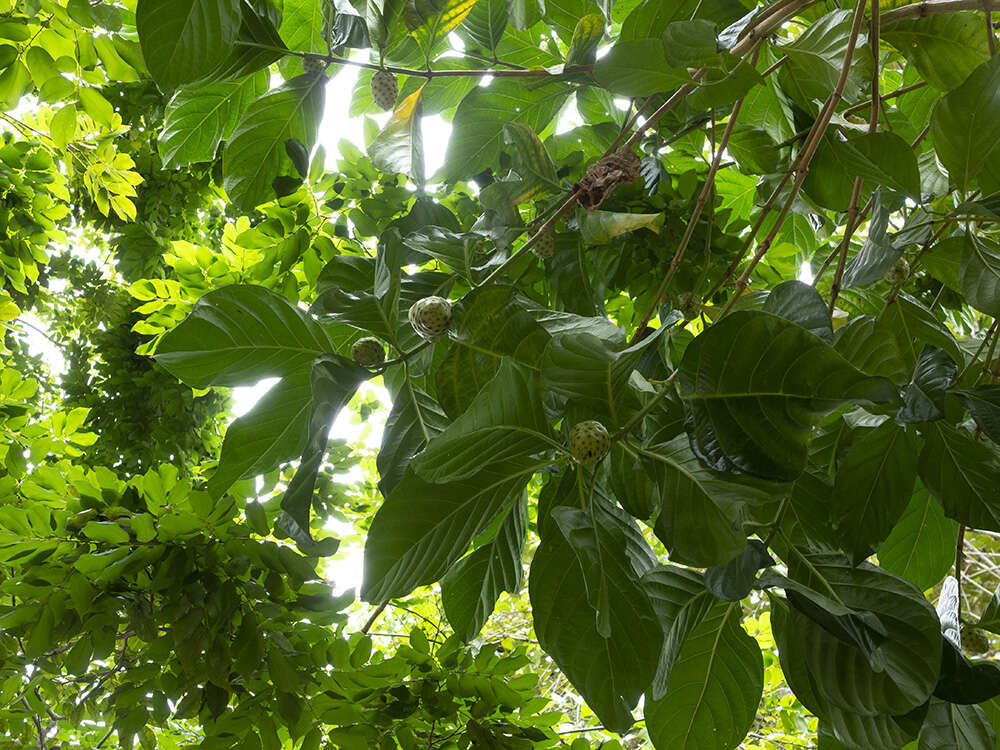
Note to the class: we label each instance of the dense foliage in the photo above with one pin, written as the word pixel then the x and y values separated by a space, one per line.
pixel 690 349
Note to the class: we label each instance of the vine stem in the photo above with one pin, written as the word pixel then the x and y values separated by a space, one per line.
pixel 800 167
pixel 374 616
pixel 853 221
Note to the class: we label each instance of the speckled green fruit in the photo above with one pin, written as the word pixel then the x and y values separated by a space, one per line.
pixel 384 89
pixel 898 273
pixel 545 246
pixel 690 305
pixel 589 442
pixel 313 65
pixel 368 352
pixel 430 317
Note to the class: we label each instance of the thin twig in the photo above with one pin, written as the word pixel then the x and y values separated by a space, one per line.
pixel 374 616
pixel 931 7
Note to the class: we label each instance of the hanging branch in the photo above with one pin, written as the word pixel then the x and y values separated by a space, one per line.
pixel 800 167
pixel 853 220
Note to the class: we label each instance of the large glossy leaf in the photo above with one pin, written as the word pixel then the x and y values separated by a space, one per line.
pixel 399 146
pixel 415 418
pixel 504 422
pixel 486 22
pixel 469 591
pixel 431 20
pixel 423 528
pixel 638 68
pixel 609 672
pixel 714 685
pixel 965 125
pixel 945 48
pixel 921 547
pixel 913 326
pixel 873 485
pixel 963 474
pixel 757 383
pixel 983 403
pixel 734 580
pixel 272 432
pixel 302 25
pixel 818 54
pixel 877 254
pixel 238 335
pixel 255 161
pixel 477 137
pixel 699 517
pixel 953 727
pixel 803 305
pixel 979 275
pixel 924 397
pixel 199 117
pixel 183 40
pixel 836 680
pixel 333 381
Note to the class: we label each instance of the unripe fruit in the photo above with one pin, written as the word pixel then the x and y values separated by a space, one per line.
pixel 545 246
pixel 589 442
pixel 312 65
pixel 430 317
pixel 368 352
pixel 384 89
pixel 898 273
pixel 689 304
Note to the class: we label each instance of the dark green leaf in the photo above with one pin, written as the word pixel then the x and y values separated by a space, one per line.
pixel 399 146
pixel 873 485
pixel 415 419
pixel 734 580
pixel 921 547
pixel 877 254
pixel 951 727
pixel 469 591
pixel 756 384
pixel 965 125
pixel 255 156
pixel 924 397
pixel 803 305
pixel 962 474
pixel 979 275
pixel 964 681
pixel 183 40
pixel 983 403
pixel 638 68
pixel 240 334
pixel 945 48
pixel 486 22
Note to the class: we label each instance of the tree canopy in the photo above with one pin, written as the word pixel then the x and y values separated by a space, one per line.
pixel 676 383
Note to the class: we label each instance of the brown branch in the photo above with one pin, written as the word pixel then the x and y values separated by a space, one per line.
pixel 986 339
pixel 699 206
pixel 930 7
pixel 801 166
pixel 886 97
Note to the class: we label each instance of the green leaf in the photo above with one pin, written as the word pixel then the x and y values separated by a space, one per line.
pixel 965 125
pixel 924 397
pixel 399 146
pixel 690 44
pixel 531 161
pixel 469 591
pixel 803 305
pixel 983 403
pixel 944 48
pixel 734 580
pixel 431 20
pixel 199 117
pixel 478 127
pixel 587 35
pixel 873 485
pixel 258 45
pixel 183 40
pixel 882 158
pixel 753 409
pixel 600 227
pixel 272 432
pixel 638 68
pixel 913 326
pixel 714 688
pixel 333 381
pixel 609 672
pixel 698 520
pixel 952 727
pixel 302 25
pixel 240 334
pixel 107 532
pixel 415 419
pixel 486 22
pixel 979 275
pixel 818 55
pixel 423 528
pixel 504 422
pixel 921 546
pixel 834 680
pixel 255 157
pixel 962 474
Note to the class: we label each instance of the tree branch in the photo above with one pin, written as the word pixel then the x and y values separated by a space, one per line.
pixel 930 7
